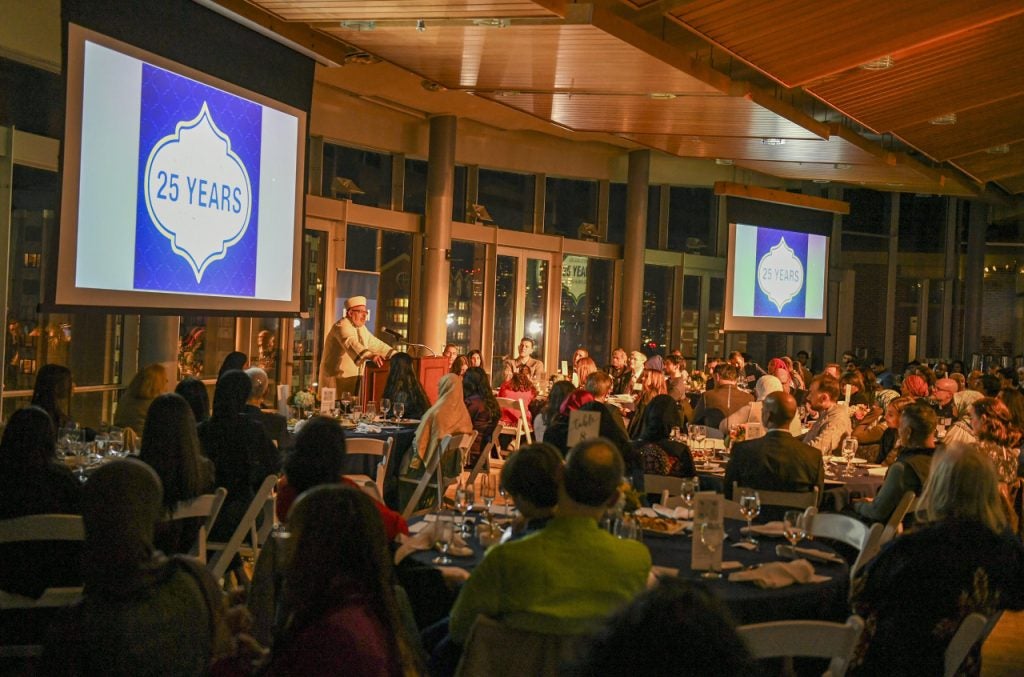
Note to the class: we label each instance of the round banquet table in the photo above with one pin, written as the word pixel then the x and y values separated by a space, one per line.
pixel 746 602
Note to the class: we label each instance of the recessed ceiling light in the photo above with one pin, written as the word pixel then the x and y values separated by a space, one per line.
pixel 661 96
pixel 820 181
pixel 360 58
pixel 492 23
pixel 507 92
pixel 880 64
pixel 944 119
pixel 841 165
pixel 725 162
pixel 359 25
pixel 773 141
pixel 1002 149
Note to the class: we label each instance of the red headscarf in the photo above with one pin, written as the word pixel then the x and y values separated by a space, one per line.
pixel 576 399
pixel 915 386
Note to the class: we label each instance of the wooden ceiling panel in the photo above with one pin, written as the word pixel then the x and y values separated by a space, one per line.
pixel 531 58
pixel 987 166
pixel 796 42
pixel 976 129
pixel 1013 185
pixel 834 150
pixel 900 177
pixel 391 10
pixel 690 115
pixel 944 76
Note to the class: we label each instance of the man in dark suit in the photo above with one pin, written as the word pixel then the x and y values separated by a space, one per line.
pixel 778 461
pixel 723 400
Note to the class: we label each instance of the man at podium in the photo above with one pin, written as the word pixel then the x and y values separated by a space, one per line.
pixel 349 344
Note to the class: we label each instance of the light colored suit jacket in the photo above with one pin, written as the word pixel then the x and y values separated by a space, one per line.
pixel 346 348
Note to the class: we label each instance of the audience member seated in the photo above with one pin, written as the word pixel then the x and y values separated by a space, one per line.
pixel 556 398
pixel 194 392
pixel 342 615
pixel 523 358
pixel 747 372
pixel 778 461
pixel 943 393
pixel 751 413
pixel 914 385
pixel 675 377
pixel 34 482
pixel 675 628
pixel 475 357
pixel 241 452
pixel 459 365
pixel 448 416
pixel 723 400
pixel 141 613
pixel 530 477
pixel 583 368
pixel 637 363
pixel 483 410
pixel 963 559
pixel 652 384
pixel 52 394
pixel 170 446
pixel 519 387
pixel 566 578
pixel 620 372
pixel 404 386
pixel 910 471
pixel 134 402
pixel 997 437
pixel 833 423
pixel 592 398
pixel 660 454
pixel 889 442
pixel 783 370
pixel 275 425
pixel 233 360
pixel 1014 401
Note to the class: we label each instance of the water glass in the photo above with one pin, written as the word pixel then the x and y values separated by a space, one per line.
pixel 712 535
pixel 370 413
pixel 750 507
pixel 793 527
pixel 464 497
pixel 688 488
pixel 627 527
pixel 399 408
pixel 444 533
pixel 102 443
pixel 385 407
pixel 849 450
pixel 488 491
pixel 115 445
pixel 355 412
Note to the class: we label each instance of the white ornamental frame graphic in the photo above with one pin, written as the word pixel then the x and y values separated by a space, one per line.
pixel 782 246
pixel 199 268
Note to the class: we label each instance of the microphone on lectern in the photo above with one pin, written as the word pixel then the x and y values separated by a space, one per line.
pixel 393 334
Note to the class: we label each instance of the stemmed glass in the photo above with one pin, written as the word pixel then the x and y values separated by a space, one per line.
pixel 385 407
pixel 711 535
pixel 115 443
pixel 399 408
pixel 488 491
pixel 793 528
pixel 750 507
pixel 370 413
pixel 687 490
pixel 464 496
pixel 444 533
pixel 355 413
pixel 346 400
pixel 849 451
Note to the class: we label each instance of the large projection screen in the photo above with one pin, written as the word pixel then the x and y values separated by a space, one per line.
pixel 181 192
pixel 776 281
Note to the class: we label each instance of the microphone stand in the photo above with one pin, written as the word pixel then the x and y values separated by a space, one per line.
pixel 420 345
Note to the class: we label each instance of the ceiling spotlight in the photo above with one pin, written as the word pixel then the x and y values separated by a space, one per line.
pixel 1002 149
pixel 661 96
pixel 773 141
pixel 507 92
pixel 944 119
pixel 725 162
pixel 432 86
pixel 360 59
pixel 421 25
pixel 882 63
pixel 840 165
pixel 493 23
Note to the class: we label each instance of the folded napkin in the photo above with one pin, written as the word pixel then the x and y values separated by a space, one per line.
pixel 766 529
pixel 677 513
pixel 779 574
pixel 367 428
pixel 424 539
pixel 809 553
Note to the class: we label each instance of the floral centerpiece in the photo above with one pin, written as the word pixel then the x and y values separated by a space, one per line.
pixel 303 400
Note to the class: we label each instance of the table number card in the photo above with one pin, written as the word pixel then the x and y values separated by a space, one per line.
pixel 327 399
pixel 283 393
pixel 707 507
pixel 583 425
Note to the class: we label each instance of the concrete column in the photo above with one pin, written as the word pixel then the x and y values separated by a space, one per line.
pixel 974 277
pixel 158 342
pixel 631 291
pixel 437 231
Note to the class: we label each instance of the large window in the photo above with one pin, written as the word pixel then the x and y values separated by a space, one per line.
pixel 617 213
pixel 368 175
pixel 305 330
pixel 656 316
pixel 569 203
pixel 361 248
pixel 689 336
pixel 653 216
pixel 466 295
pixel 866 227
pixel 691 220
pixel 508 198
pixel 922 224
pixel 586 318
pixel 504 314
pixel 414 199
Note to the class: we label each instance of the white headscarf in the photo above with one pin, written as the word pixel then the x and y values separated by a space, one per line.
pixel 447 416
pixel 766 385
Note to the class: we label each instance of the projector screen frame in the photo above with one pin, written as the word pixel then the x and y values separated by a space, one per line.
pixel 62 292
pixel 732 323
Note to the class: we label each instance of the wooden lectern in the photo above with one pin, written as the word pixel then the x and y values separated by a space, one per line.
pixel 429 371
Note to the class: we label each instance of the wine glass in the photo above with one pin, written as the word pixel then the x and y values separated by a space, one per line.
pixel 750 507
pixel 370 412
pixel 849 451
pixel 687 490
pixel 399 408
pixel 711 535
pixel 793 528
pixel 464 496
pixel 346 400
pixel 385 407
pixel 115 443
pixel 488 491
pixel 700 433
pixel 102 443
pixel 444 533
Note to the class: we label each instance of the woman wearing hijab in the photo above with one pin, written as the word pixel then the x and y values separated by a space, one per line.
pixel 239 447
pixel 448 416
pixel 141 613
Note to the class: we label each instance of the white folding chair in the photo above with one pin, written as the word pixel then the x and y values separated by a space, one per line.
pixel 522 428
pixel 38 528
pixel 876 538
pixel 971 631
pixel 206 506
pixel 496 650
pixel 842 528
pixel 221 553
pixel 483 462
pixel 818 639
pixel 459 443
pixel 785 499
pixel 907 504
pixel 368 446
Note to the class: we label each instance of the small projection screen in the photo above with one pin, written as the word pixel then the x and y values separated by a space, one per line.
pixel 776 280
pixel 181 191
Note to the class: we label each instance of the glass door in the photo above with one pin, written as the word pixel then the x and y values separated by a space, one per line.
pixel 521 306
